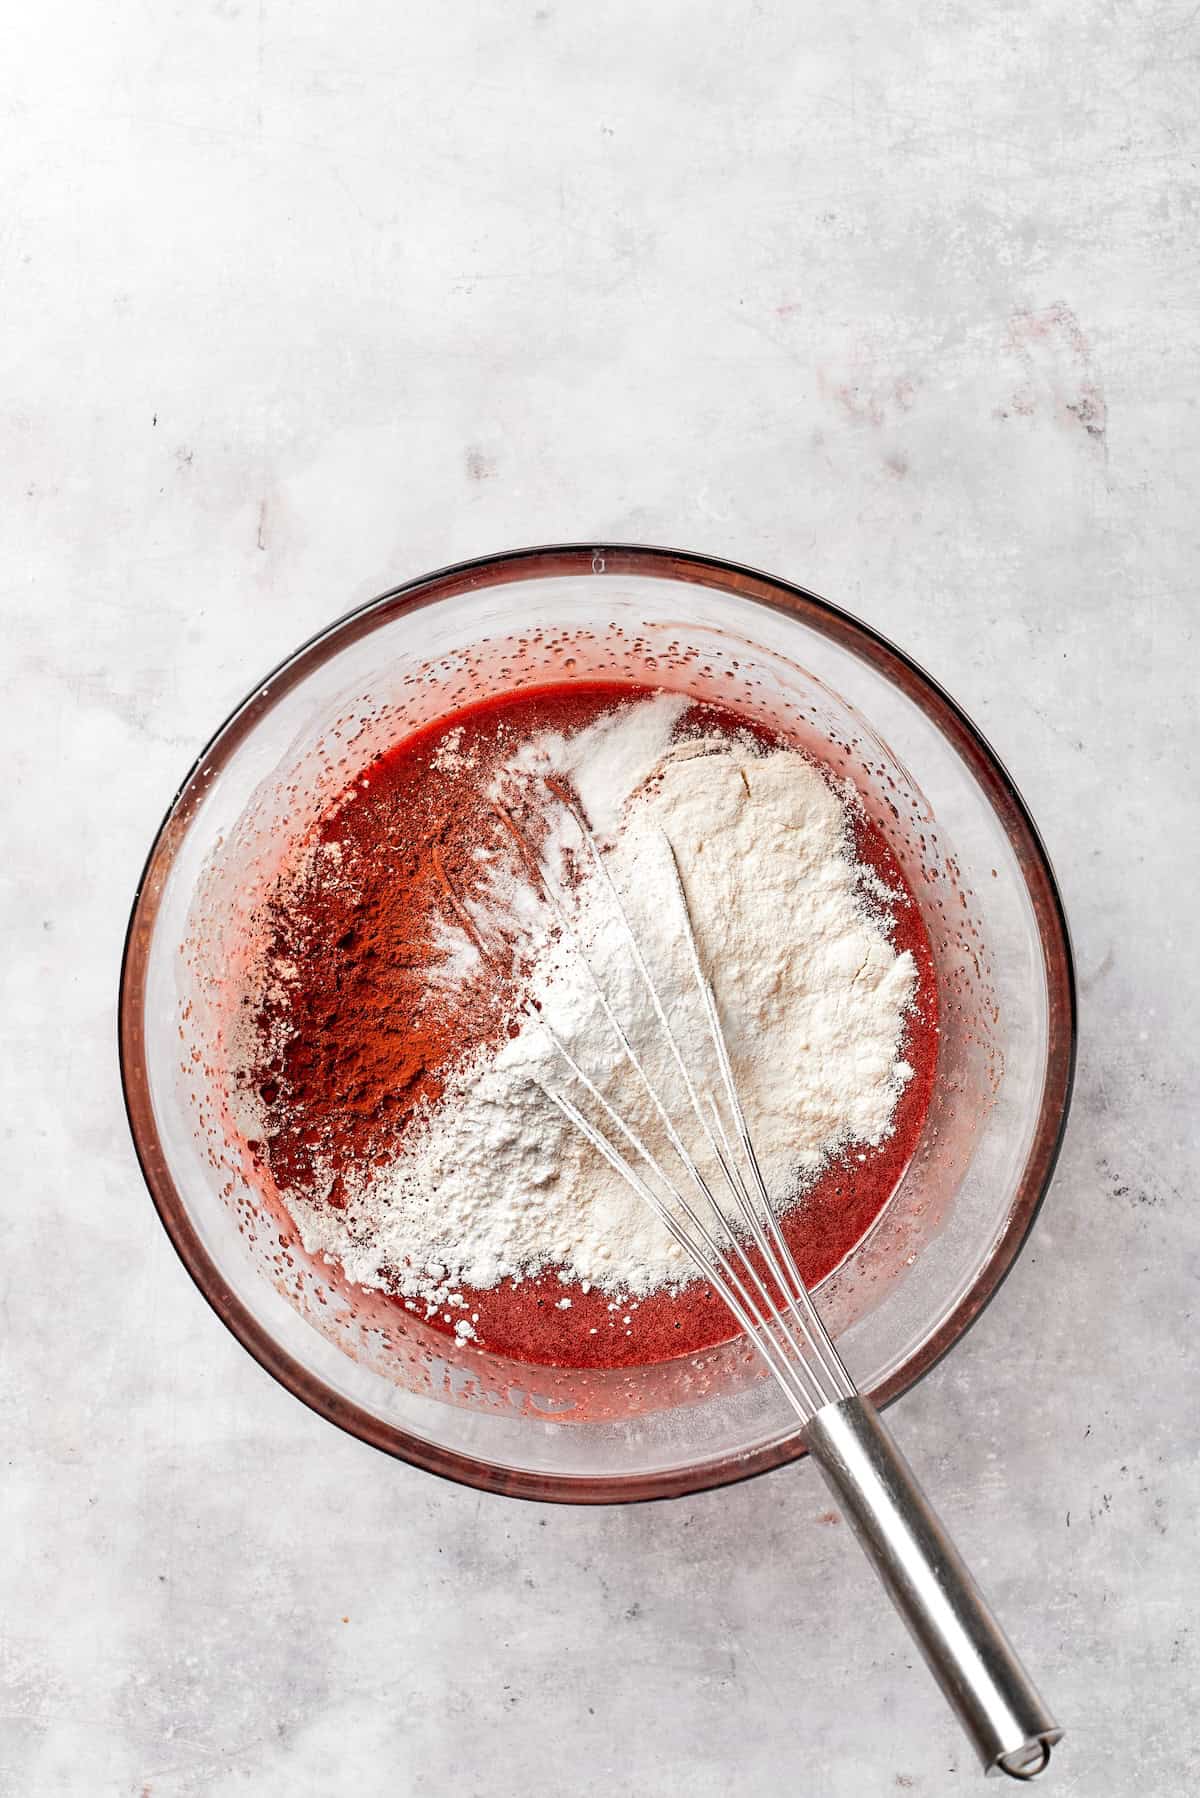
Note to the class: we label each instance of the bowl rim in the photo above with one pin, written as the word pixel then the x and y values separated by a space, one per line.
pixel 542 562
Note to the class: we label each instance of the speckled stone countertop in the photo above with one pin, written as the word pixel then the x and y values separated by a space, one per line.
pixel 897 301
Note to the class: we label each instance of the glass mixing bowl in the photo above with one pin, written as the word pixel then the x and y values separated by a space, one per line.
pixel 972 855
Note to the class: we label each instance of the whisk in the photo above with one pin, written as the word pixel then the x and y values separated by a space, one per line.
pixel 739 1247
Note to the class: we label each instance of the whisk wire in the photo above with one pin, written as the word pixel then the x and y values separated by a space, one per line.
pixel 770 1314
pixel 793 1287
pixel 647 979
pixel 765 1313
pixel 832 1380
pixel 815 1369
pixel 787 1372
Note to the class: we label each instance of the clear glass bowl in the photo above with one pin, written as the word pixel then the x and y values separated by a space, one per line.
pixel 972 854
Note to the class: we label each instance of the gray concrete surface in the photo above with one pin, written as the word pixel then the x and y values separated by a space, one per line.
pixel 897 300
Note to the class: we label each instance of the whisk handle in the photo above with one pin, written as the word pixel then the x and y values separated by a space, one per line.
pixel 931 1587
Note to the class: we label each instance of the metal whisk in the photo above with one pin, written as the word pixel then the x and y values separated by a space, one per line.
pixel 923 1573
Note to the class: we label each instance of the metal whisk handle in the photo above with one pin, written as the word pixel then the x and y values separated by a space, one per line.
pixel 931 1587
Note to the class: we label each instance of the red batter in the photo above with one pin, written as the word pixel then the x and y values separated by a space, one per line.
pixel 366 1041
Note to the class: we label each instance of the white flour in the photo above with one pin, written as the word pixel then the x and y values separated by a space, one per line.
pixel 792 931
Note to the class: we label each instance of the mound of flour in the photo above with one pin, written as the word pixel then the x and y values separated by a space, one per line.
pixel 793 934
